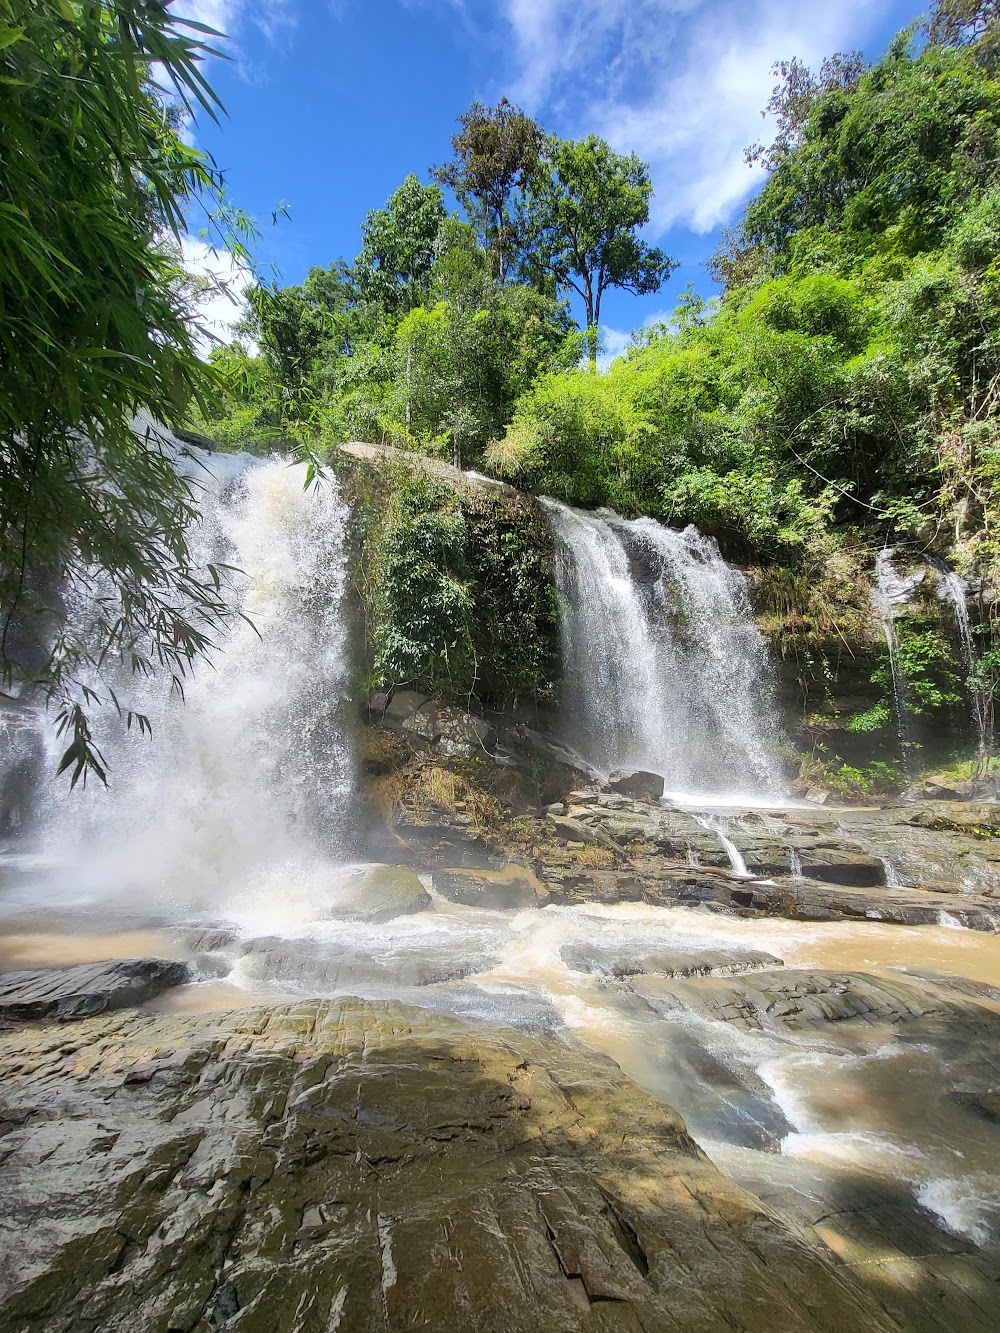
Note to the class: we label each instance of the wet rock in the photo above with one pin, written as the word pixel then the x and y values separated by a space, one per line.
pixel 439 841
pixel 801 900
pixel 367 1168
pixel 402 705
pixel 313 967
pixel 640 785
pixel 197 940
pixel 840 866
pixel 503 891
pixel 87 988
pixel 671 963
pixel 379 893
pixel 573 830
pixel 800 999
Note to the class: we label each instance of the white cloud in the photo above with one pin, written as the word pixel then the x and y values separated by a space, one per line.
pixel 223 300
pixel 680 82
pixel 614 342
pixel 231 17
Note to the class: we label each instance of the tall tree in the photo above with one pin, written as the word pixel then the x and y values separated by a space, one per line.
pixel 583 211
pixel 94 325
pixel 495 154
pixel 399 244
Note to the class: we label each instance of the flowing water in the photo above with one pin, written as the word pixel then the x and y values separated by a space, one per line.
pixel 665 669
pixel 892 591
pixel 951 589
pixel 226 839
pixel 242 794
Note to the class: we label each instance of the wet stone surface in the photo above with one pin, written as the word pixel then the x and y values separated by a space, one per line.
pixel 76 992
pixel 339 1165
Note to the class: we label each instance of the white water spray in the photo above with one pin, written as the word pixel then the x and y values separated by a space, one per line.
pixel 892 591
pixel 239 799
pixel 665 668
pixel 951 589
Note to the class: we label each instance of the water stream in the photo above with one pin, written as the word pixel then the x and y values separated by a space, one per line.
pixel 892 591
pixel 227 838
pixel 665 669
pixel 951 589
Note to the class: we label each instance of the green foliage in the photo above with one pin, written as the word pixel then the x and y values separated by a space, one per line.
pixel 456 588
pixel 872 719
pixel 496 153
pixel 94 325
pixel 583 209
pixel 394 267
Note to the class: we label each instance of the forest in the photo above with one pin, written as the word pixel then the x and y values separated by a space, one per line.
pixel 839 395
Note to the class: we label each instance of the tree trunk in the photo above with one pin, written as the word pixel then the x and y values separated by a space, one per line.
pixel 588 303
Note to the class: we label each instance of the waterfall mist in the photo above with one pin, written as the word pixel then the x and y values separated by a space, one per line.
pixel 665 668
pixel 239 799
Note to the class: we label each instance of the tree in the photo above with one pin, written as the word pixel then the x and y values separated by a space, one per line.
pixel 886 164
pixel 496 154
pixel 792 101
pixel 296 325
pixel 400 241
pixel 973 23
pixel 584 207
pixel 94 326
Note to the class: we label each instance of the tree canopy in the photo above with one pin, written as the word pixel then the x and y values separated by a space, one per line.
pixel 585 205
pixel 96 324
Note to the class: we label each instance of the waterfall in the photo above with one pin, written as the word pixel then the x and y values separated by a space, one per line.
pixel 951 589
pixel 892 591
pixel 241 794
pixel 665 669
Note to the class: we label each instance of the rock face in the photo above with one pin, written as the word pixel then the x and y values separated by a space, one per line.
pixel 355 1167
pixel 88 988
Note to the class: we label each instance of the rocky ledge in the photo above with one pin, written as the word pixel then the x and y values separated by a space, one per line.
pixel 343 1165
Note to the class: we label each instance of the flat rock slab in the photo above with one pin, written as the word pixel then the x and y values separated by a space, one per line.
pixel 86 988
pixel 799 999
pixel 665 962
pixel 365 1168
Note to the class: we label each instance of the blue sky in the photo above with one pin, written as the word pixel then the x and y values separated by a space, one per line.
pixel 331 102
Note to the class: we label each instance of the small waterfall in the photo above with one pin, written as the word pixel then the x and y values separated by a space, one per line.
pixel 892 591
pixel 720 828
pixel 242 792
pixel 951 589
pixel 795 863
pixel 893 878
pixel 665 668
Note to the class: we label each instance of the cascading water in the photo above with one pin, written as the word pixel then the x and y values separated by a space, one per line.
pixel 951 589
pixel 892 591
pixel 235 815
pixel 240 796
pixel 665 668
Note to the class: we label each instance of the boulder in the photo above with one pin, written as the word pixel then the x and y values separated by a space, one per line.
pixel 638 784
pixel 463 734
pixel 572 830
pixel 423 722
pixel 85 989
pixel 403 704
pixel 513 888
pixel 379 893
pixel 623 962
